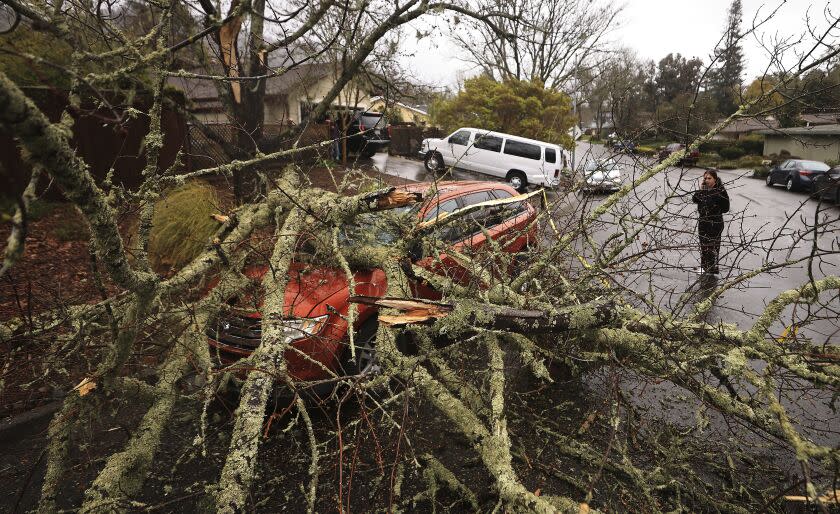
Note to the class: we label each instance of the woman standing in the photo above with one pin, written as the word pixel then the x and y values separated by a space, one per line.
pixel 712 201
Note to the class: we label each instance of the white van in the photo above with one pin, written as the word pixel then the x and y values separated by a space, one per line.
pixel 519 160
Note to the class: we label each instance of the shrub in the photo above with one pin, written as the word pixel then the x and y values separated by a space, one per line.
pixel 727 165
pixel 181 225
pixel 761 171
pixel 750 161
pixel 752 144
pixel 731 152
pixel 714 146
pixel 708 160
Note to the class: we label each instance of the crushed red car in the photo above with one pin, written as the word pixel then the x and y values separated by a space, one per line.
pixel 317 296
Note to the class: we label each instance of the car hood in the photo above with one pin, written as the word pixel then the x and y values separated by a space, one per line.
pixel 315 290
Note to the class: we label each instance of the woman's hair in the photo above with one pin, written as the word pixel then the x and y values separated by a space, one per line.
pixel 714 175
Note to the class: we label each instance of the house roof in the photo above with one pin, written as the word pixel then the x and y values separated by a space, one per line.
pixel 204 90
pixel 417 109
pixel 817 130
pixel 742 125
pixel 821 118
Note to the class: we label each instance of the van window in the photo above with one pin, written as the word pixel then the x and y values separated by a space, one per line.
pixel 492 143
pixel 520 149
pixel 550 155
pixel 462 137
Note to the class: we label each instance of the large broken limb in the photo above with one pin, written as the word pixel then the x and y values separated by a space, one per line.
pixel 495 317
pixel 269 366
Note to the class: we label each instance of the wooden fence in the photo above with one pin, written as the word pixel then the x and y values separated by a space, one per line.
pixel 406 139
pixel 101 142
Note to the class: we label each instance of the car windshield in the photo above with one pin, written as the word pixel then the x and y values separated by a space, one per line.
pixel 370 120
pixel 814 165
pixel 377 227
pixel 600 166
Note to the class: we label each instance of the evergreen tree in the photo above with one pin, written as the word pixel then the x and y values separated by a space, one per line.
pixel 726 78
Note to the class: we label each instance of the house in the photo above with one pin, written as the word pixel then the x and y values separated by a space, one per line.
pixel 741 127
pixel 406 113
pixel 819 142
pixel 289 97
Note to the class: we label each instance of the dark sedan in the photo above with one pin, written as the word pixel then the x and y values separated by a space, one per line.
pixel 827 186
pixel 796 174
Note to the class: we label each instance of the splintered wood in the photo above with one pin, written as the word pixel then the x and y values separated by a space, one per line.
pixel 411 311
pixel 396 199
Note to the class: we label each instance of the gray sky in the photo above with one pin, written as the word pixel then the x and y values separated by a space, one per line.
pixel 654 28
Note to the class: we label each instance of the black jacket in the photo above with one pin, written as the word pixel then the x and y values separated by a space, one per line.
pixel 711 204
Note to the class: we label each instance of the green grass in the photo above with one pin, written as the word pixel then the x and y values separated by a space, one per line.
pixel 182 226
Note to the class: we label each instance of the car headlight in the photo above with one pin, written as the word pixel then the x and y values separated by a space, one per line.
pixel 298 328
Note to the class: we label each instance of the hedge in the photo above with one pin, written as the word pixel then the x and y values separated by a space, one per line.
pixel 748 145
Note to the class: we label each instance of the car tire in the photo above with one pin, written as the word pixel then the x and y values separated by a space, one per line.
pixel 433 162
pixel 366 361
pixel 517 180
pixel 367 153
pixel 769 180
pixel 789 184
pixel 837 197
pixel 813 193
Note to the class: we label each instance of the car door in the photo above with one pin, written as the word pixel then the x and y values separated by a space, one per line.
pixel 779 173
pixel 456 147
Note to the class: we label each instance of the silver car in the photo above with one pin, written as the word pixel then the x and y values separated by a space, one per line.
pixel 601 175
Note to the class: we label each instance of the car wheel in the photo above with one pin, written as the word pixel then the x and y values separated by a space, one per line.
pixel 366 361
pixel 814 193
pixel 769 179
pixel 789 184
pixel 433 162
pixel 517 180
pixel 837 197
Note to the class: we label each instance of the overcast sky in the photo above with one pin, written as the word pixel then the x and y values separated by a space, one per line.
pixel 654 28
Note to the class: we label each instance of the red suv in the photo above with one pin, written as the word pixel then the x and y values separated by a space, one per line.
pixel 317 297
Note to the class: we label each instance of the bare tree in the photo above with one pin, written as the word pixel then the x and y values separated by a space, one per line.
pixel 549 40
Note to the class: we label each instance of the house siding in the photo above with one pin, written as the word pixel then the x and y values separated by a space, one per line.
pixel 350 96
pixel 818 148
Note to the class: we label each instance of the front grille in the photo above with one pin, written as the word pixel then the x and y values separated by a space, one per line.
pixel 237 331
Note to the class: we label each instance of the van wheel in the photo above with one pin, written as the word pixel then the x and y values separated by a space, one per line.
pixel 433 162
pixel 517 180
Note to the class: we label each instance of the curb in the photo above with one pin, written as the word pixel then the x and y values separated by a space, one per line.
pixel 15 425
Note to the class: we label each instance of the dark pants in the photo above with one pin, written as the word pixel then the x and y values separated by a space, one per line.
pixel 710 232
